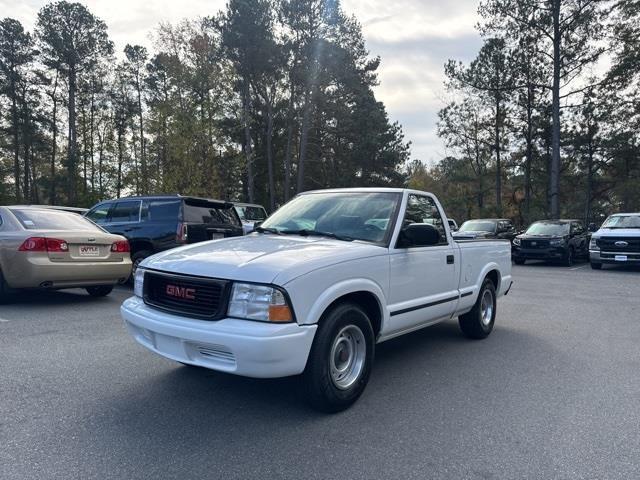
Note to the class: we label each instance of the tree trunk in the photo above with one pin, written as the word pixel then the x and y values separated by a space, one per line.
pixel 304 139
pixel 16 141
pixel 587 208
pixel 554 190
pixel 92 118
pixel 498 159
pixel 54 144
pixel 143 162
pixel 120 160
pixel 529 156
pixel 72 148
pixel 289 148
pixel 247 139
pixel 269 142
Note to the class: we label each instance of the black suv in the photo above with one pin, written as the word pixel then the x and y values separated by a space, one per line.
pixel 552 240
pixel 156 223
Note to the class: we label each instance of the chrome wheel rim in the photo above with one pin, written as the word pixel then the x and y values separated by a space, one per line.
pixel 487 307
pixel 347 357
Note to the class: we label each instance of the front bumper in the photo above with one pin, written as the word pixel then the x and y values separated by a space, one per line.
pixel 241 347
pixel 549 253
pixel 597 256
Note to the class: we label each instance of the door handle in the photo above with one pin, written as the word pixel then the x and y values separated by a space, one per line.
pixel 450 259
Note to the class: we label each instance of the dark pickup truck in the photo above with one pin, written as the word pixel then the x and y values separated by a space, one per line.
pixel 156 223
pixel 552 240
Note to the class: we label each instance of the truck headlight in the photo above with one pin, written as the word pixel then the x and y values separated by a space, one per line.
pixel 516 242
pixel 138 282
pixel 259 302
pixel 593 244
pixel 556 243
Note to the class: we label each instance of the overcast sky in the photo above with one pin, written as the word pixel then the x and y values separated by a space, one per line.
pixel 414 38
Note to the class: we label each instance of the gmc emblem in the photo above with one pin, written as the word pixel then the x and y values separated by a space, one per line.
pixel 181 292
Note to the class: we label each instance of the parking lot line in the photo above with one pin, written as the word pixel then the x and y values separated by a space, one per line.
pixel 578 268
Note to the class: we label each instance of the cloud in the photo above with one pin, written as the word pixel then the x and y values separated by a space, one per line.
pixel 414 38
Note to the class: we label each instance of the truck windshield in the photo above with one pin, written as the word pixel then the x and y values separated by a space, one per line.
pixel 345 215
pixel 622 221
pixel 558 229
pixel 478 226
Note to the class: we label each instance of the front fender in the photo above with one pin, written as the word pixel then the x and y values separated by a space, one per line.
pixel 310 308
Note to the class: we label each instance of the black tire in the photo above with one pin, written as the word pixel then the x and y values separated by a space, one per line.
pixel 568 260
pixel 520 261
pixel 596 266
pixel 473 323
pixel 4 290
pixel 99 290
pixel 136 258
pixel 339 328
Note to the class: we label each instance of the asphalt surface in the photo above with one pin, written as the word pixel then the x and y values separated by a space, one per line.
pixel 553 393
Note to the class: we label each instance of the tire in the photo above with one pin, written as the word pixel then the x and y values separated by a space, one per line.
pixel 340 360
pixel 100 290
pixel 136 258
pixel 596 266
pixel 4 290
pixel 568 261
pixel 478 323
pixel 520 261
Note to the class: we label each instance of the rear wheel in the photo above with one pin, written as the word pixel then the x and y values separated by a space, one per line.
pixel 596 266
pixel 478 323
pixel 136 259
pixel 4 290
pixel 340 360
pixel 568 260
pixel 100 290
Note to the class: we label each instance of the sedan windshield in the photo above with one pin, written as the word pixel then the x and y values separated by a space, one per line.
pixel 33 219
pixel 622 221
pixel 342 215
pixel 478 226
pixel 548 228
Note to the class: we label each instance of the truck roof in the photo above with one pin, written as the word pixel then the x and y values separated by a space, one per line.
pixel 367 190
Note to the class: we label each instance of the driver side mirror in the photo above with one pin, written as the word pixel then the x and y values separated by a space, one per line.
pixel 256 225
pixel 418 235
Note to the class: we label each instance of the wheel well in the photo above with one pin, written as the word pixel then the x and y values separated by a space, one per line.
pixel 494 276
pixel 369 304
pixel 138 245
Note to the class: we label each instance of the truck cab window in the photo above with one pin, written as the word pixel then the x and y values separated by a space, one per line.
pixel 421 209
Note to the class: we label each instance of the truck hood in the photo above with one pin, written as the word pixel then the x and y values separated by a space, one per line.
pixel 617 232
pixel 261 258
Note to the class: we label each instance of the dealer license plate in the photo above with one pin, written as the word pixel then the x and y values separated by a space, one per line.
pixel 89 251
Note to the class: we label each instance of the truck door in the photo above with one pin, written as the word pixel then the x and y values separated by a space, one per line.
pixel 423 280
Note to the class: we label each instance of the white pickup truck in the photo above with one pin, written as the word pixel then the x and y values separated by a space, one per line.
pixel 312 291
pixel 617 242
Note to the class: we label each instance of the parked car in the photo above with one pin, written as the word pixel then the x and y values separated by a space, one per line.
pixel 617 241
pixel 48 249
pixel 250 214
pixel 486 228
pixel 552 240
pixel 78 210
pixel 156 223
pixel 324 279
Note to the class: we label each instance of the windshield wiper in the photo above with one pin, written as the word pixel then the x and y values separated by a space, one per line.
pixel 267 230
pixel 316 233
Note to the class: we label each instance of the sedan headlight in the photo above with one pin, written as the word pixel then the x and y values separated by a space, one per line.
pixel 593 244
pixel 516 242
pixel 259 302
pixel 138 282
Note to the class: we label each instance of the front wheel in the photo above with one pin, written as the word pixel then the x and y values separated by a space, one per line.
pixel 340 360
pixel 478 323
pixel 100 290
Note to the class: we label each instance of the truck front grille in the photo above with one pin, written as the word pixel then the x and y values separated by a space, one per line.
pixel 535 243
pixel 619 244
pixel 184 295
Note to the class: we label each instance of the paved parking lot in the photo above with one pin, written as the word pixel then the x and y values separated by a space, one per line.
pixel 553 393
